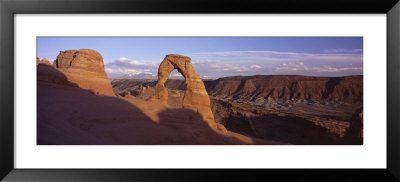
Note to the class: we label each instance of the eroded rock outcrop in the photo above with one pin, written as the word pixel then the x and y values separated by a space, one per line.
pixel 195 97
pixel 355 132
pixel 85 67
pixel 42 61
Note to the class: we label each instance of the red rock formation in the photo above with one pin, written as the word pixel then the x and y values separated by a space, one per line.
pixel 196 96
pixel 297 121
pixel 69 115
pixel 45 61
pixel 85 67
pixel 330 89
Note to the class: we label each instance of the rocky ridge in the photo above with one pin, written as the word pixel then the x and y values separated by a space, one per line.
pixel 264 89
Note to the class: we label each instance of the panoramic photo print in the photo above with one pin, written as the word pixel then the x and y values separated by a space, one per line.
pixel 199 90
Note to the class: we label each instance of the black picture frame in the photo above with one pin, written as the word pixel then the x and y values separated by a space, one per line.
pixel 9 8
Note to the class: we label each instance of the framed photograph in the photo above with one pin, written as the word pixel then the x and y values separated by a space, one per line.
pixel 125 91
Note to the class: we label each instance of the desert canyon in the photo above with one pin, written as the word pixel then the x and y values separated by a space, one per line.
pixel 77 104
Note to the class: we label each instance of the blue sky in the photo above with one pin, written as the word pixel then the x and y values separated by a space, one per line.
pixel 214 57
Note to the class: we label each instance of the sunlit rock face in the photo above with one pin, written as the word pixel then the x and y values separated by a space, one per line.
pixel 85 67
pixel 195 97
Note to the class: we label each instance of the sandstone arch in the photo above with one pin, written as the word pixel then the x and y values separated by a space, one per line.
pixel 195 97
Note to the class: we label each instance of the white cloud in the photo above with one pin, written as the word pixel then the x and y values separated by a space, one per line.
pixel 232 63
pixel 123 67
pixel 131 63
pixel 175 73
pixel 343 50
pixel 350 56
pixel 327 69
pixel 301 68
pixel 255 66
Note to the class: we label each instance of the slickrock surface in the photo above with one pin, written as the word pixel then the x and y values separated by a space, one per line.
pixel 85 67
pixel 68 114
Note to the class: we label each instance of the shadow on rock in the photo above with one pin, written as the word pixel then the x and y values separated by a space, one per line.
pixel 287 129
pixel 189 128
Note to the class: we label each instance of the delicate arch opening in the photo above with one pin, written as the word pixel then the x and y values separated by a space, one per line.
pixel 195 96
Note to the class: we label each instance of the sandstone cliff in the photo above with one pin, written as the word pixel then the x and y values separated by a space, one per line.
pixel 289 87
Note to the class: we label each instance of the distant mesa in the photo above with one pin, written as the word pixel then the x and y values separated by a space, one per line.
pixel 195 97
pixel 289 88
pixel 85 67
